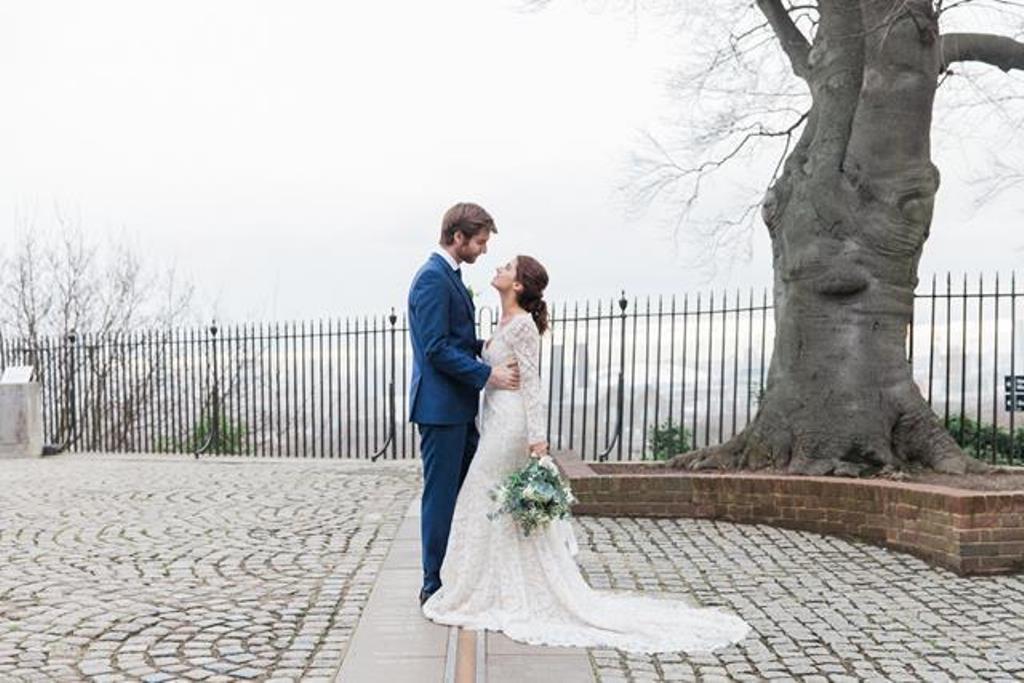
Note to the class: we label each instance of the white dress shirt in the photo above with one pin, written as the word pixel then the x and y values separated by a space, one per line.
pixel 448 258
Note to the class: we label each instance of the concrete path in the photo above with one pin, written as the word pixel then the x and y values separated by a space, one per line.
pixel 394 642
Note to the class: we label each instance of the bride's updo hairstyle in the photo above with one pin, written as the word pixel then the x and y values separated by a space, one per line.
pixel 532 276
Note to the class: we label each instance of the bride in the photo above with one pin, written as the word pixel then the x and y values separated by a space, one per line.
pixel 494 577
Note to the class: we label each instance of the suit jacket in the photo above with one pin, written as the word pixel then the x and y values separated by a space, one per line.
pixel 447 375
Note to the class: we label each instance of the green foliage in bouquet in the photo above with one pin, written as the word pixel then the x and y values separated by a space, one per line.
pixel 534 495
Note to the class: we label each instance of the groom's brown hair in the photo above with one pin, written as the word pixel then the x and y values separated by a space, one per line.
pixel 467 218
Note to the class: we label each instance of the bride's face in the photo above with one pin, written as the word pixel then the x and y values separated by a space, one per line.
pixel 505 277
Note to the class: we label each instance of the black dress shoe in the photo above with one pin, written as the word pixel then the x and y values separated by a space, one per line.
pixel 424 596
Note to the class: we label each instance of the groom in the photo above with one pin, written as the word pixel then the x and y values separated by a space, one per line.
pixel 447 376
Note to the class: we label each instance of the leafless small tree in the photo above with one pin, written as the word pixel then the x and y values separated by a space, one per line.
pixel 54 281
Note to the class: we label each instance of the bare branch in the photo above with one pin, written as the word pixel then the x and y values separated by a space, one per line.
pixel 57 280
pixel 1006 8
pixel 26 297
pixel 999 51
pixel 1002 179
pixel 665 176
pixel 792 40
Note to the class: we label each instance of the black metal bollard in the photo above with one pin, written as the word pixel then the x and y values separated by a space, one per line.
pixel 616 442
pixel 390 441
pixel 213 438
pixel 70 400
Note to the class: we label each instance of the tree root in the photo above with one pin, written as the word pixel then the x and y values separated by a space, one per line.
pixel 918 443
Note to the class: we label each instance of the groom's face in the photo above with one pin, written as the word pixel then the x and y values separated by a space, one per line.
pixel 467 249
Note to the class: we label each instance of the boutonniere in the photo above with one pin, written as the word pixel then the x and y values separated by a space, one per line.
pixel 472 294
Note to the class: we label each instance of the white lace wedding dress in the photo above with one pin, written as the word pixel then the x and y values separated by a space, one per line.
pixel 530 588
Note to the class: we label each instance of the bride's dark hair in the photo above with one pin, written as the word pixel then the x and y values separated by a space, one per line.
pixel 532 276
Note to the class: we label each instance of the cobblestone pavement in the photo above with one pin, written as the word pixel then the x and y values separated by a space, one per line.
pixel 821 608
pixel 156 568
pixel 159 568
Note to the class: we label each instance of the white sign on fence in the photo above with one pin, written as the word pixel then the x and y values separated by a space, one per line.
pixel 17 374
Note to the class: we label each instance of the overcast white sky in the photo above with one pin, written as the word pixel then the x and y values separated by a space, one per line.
pixel 294 158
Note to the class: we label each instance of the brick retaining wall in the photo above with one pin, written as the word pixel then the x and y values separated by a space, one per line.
pixel 968 532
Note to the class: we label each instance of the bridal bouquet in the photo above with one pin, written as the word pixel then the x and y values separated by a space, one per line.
pixel 534 495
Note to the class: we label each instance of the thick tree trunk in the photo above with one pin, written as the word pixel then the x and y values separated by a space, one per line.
pixel 848 219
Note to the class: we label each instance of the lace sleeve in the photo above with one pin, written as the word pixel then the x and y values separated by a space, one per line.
pixel 525 342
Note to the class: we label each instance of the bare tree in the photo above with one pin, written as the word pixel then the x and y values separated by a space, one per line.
pixel 25 296
pixel 55 282
pixel 843 93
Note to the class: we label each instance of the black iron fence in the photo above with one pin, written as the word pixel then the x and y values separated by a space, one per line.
pixel 625 378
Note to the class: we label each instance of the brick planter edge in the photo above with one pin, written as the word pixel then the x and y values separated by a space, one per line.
pixel 968 532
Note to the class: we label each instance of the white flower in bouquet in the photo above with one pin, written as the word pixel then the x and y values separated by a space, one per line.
pixel 548 463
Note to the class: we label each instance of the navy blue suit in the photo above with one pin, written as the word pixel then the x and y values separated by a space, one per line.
pixel 447 377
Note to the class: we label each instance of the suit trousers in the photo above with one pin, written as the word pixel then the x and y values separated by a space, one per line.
pixel 447 451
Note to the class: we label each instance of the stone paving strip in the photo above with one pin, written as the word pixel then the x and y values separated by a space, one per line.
pixel 395 643
pixel 159 568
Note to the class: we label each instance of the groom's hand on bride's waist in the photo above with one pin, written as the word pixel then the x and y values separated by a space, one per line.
pixel 505 376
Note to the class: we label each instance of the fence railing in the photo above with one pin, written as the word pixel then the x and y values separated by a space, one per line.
pixel 692 369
